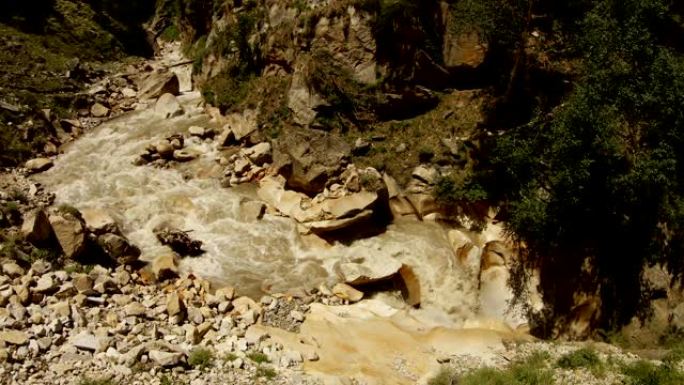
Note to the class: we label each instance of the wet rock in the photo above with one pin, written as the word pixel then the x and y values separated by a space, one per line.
pixel 367 270
pixel 99 222
pixel 183 156
pixel 70 234
pixel 36 227
pixel 347 292
pixel 164 149
pixel 118 248
pixel 179 241
pixel 38 165
pixel 99 111
pixel 167 106
pixel 164 267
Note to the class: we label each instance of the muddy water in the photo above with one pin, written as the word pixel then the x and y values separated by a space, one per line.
pixel 97 171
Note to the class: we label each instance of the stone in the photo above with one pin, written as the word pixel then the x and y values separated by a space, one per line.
pixel 349 205
pixel 45 285
pixel 83 284
pixel 425 174
pixel 347 292
pixel 99 111
pixel 135 309
pixel 241 124
pixel 179 241
pixel 175 305
pixel 128 92
pixel 164 267
pixel 36 227
pixel 12 270
pixel 259 154
pixel 164 149
pixel 38 165
pixel 118 248
pixel 308 159
pixel 367 270
pixel 167 106
pixel 410 288
pixel 70 234
pixel 14 337
pixel 197 131
pixel 297 316
pixel 361 146
pixel 183 156
pixel 87 341
pixel 157 84
pixel 99 221
pixel 165 359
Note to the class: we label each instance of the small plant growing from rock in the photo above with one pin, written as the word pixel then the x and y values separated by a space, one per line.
pixel 258 358
pixel 230 357
pixel 200 358
pixel 265 372
pixel 582 358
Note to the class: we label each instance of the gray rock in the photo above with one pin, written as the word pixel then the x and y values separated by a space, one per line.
pixel 166 359
pixel 70 233
pixel 45 285
pixel 39 165
pixel 118 248
pixel 157 84
pixel 99 111
pixel 167 106
pixel 36 227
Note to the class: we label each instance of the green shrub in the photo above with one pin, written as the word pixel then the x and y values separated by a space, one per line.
pixel 200 358
pixel 170 33
pixel 259 358
pixel 581 358
pixel 452 190
pixel 531 371
pixel 647 373
pixel 444 377
pixel 265 372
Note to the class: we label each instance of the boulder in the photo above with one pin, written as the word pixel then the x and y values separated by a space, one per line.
pixel 167 106
pixel 99 222
pixel 157 84
pixel 259 154
pixel 331 225
pixel 99 111
pixel 349 205
pixel 175 305
pixel 38 165
pixel 197 131
pixel 183 156
pixel 308 159
pixel 368 270
pixel 12 270
pixel 70 234
pixel 36 227
pixel 164 267
pixel 118 248
pixel 425 174
pixel 127 92
pixel 165 149
pixel 240 125
pixel 166 359
pixel 179 241
pixel 45 285
pixel 14 337
pixel 347 292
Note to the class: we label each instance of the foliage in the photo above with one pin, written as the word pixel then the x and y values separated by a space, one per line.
pixel 451 190
pixel 170 33
pixel 531 371
pixel 200 358
pixel 581 358
pixel 259 358
pixel 600 176
pixel 265 372
pixel 648 373
pixel 66 209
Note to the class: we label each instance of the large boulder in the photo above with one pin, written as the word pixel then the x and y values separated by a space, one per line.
pixel 179 241
pixel 158 83
pixel 118 248
pixel 38 165
pixel 308 158
pixel 99 222
pixel 167 106
pixel 70 233
pixel 367 270
pixel 36 227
